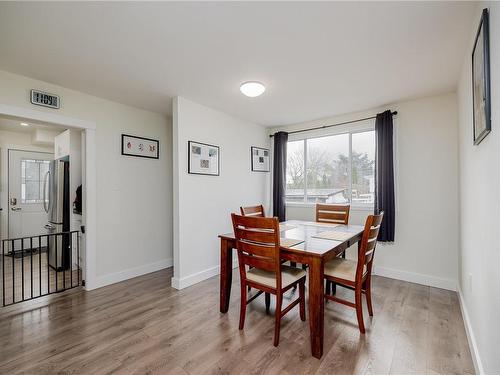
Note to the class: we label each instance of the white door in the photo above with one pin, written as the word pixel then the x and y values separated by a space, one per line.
pixel 27 172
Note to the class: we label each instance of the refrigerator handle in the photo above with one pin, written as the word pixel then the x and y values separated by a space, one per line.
pixel 45 198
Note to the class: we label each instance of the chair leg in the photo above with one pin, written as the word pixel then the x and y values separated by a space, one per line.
pixel 328 287
pixel 277 323
pixel 368 288
pixel 302 303
pixel 359 309
pixel 243 306
pixel 268 301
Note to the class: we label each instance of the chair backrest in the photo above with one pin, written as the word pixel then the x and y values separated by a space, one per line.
pixel 368 243
pixel 258 244
pixel 255 211
pixel 332 213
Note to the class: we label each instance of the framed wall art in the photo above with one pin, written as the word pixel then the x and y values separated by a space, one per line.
pixel 260 159
pixel 140 147
pixel 203 158
pixel 481 81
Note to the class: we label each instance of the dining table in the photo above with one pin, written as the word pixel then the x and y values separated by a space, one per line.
pixel 311 250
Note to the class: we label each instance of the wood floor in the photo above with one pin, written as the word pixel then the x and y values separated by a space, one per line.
pixel 39 278
pixel 143 326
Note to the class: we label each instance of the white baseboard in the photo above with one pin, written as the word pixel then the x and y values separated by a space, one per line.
pixel 478 365
pixel 195 278
pixel 416 278
pixel 130 273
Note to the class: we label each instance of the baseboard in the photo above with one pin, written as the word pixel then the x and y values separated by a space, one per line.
pixel 130 273
pixel 476 359
pixel 416 278
pixel 195 278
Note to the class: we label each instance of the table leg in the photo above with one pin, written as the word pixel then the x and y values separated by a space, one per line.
pixel 226 274
pixel 316 306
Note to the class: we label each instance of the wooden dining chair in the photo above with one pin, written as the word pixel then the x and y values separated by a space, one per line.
pixel 332 213
pixel 357 275
pixel 254 211
pixel 258 245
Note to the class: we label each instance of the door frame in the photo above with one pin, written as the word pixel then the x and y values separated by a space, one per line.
pixel 89 219
pixel 7 198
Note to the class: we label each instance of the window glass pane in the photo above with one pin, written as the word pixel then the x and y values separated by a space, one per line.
pixel 363 167
pixel 32 176
pixel 328 169
pixel 295 172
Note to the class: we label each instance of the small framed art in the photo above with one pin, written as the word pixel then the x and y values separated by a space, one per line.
pixel 203 158
pixel 140 147
pixel 260 159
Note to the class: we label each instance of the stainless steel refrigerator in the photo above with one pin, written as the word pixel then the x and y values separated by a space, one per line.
pixel 57 206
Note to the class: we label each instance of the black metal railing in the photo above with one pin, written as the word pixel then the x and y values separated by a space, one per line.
pixel 37 266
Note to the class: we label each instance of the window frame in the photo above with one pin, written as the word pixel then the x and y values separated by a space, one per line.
pixel 363 127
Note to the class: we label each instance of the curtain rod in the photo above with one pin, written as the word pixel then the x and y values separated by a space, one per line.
pixel 329 126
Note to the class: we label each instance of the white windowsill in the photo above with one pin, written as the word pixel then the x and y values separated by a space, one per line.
pixel 306 205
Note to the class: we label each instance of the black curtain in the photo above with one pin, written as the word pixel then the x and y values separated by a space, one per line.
pixel 384 175
pixel 279 174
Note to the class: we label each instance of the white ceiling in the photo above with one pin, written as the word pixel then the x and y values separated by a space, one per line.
pixel 316 59
pixel 13 124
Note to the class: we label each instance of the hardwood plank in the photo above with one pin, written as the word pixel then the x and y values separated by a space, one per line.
pixel 145 326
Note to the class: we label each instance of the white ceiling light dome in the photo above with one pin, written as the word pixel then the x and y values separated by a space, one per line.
pixel 252 88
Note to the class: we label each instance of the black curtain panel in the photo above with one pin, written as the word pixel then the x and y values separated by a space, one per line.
pixel 279 175
pixel 384 175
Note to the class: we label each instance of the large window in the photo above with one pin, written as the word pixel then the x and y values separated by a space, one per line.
pixel 332 169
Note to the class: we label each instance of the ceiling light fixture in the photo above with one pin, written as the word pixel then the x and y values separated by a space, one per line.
pixel 252 88
pixel 24 124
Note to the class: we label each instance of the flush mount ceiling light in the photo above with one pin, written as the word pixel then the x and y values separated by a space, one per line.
pixel 252 88
pixel 24 124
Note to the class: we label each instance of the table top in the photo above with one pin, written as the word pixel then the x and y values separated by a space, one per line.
pixel 305 230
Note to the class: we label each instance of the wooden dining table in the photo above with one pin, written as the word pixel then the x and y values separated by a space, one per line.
pixel 312 251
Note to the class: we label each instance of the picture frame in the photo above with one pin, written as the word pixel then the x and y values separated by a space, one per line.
pixel 481 98
pixel 260 158
pixel 203 159
pixel 140 147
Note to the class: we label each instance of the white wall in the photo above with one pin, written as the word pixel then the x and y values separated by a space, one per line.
pixel 479 276
pixel 203 204
pixel 134 195
pixel 426 243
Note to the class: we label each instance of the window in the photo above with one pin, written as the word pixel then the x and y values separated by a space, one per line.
pixel 337 169
pixel 32 179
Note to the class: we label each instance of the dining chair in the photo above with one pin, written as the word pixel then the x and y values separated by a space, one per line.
pixel 332 214
pixel 258 245
pixel 356 275
pixel 255 211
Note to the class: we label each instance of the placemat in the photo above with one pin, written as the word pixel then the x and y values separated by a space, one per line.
pixel 289 242
pixel 334 235
pixel 316 224
pixel 284 227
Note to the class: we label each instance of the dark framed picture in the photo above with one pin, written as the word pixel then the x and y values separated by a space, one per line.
pixel 481 81
pixel 260 159
pixel 140 147
pixel 203 158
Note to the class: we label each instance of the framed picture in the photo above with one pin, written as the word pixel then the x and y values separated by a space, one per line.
pixel 203 158
pixel 481 81
pixel 140 147
pixel 260 159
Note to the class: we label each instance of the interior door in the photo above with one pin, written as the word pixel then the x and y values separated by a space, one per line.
pixel 27 179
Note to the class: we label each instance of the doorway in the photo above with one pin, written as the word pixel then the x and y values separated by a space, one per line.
pixel 41 234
